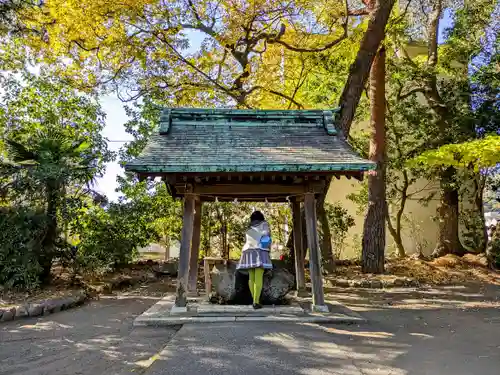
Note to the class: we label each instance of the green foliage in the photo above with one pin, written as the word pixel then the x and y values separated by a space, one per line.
pixel 478 154
pixel 339 222
pixel 493 250
pixel 60 131
pixel 52 152
pixel 224 224
pixel 492 191
pixel 360 198
pixel 240 61
pixel 21 235
pixel 110 236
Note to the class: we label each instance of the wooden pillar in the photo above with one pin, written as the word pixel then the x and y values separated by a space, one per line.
pixel 184 252
pixel 314 254
pixel 167 248
pixel 298 250
pixel 195 250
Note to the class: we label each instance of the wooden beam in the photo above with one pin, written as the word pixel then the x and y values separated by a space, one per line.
pixel 184 252
pixel 314 253
pixel 236 190
pixel 247 198
pixel 195 250
pixel 298 250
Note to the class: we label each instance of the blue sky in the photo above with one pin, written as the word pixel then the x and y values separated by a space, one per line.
pixel 116 118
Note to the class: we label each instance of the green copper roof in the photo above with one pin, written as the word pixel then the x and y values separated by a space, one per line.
pixel 233 140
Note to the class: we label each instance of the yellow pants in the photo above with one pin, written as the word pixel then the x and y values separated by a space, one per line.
pixel 255 280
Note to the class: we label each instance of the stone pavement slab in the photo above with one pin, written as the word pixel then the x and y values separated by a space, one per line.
pixel 395 342
pixel 164 313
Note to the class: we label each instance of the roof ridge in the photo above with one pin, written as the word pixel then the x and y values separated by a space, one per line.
pixel 245 117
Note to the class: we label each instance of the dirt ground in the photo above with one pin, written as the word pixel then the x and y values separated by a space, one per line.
pixel 62 285
pixel 446 270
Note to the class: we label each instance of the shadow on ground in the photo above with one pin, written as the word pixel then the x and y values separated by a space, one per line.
pixel 97 338
pixel 435 331
pixel 441 331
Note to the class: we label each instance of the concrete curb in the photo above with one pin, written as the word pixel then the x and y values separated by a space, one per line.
pixel 398 282
pixel 45 307
pixel 160 314
pixel 311 318
pixel 51 306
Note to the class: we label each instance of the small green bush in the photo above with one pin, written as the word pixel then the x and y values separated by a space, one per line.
pixel 339 221
pixel 493 249
pixel 21 234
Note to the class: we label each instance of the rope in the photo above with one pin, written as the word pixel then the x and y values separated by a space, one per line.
pixel 216 198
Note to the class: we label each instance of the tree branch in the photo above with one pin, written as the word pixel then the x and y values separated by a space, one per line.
pixel 409 93
pixel 360 69
pixel 319 49
pixel 274 92
pixel 432 31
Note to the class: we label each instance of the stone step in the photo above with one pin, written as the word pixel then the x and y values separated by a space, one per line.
pixel 239 310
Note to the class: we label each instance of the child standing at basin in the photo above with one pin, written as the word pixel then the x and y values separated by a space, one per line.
pixel 255 256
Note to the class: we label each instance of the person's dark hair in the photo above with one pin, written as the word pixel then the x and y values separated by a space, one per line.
pixel 256 216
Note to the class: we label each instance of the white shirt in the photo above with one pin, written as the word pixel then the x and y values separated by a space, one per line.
pixel 254 234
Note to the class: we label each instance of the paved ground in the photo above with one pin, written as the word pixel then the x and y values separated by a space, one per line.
pixel 434 332
pixel 95 339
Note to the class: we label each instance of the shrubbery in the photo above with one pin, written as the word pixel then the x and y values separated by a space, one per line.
pixel 493 250
pixel 339 221
pixel 21 234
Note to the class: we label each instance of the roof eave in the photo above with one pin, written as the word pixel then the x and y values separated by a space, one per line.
pixel 278 168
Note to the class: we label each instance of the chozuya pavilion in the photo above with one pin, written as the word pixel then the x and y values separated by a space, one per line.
pixel 248 155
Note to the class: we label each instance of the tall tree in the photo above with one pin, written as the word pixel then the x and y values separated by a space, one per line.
pixel 144 46
pixel 446 83
pixel 374 226
pixel 53 161
pixel 380 10
pixel 53 147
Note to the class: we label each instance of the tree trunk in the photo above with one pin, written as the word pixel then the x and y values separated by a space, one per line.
pixel 479 203
pixel 447 213
pixel 326 237
pixel 360 69
pixel 48 243
pixel 225 245
pixel 396 231
pixel 167 248
pixel 290 242
pixel 396 236
pixel 374 226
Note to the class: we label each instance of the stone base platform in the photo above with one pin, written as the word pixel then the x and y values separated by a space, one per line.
pixel 165 313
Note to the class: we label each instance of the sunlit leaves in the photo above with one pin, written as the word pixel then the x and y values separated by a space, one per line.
pixel 142 47
pixel 480 153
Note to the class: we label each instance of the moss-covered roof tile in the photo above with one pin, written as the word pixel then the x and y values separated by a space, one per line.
pixel 229 140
